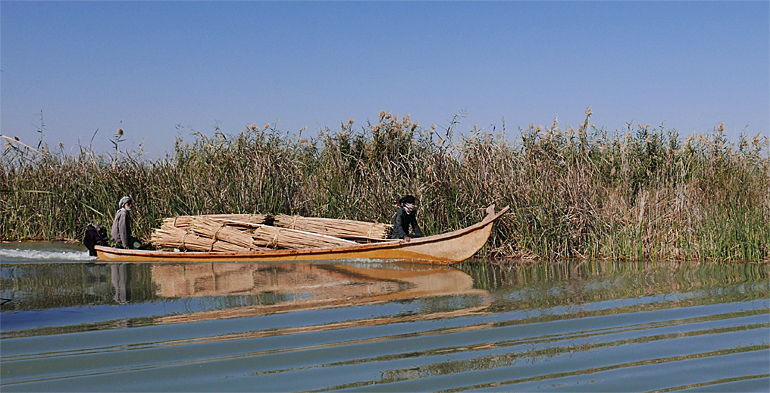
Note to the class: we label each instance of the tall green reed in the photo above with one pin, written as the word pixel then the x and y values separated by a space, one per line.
pixel 637 193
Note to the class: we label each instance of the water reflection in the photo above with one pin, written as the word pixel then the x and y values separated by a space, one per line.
pixel 287 286
pixel 183 292
pixel 590 326
pixel 43 286
pixel 120 280
pixel 539 285
pixel 305 286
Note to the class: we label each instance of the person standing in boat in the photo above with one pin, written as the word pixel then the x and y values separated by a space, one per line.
pixel 121 226
pixel 405 217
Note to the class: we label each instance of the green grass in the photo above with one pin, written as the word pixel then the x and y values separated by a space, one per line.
pixel 633 194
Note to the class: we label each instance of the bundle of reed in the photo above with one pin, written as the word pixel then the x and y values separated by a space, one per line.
pixel 219 230
pixel 276 237
pixel 184 221
pixel 345 229
pixel 170 237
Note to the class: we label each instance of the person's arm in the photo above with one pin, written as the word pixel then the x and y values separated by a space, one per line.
pixel 125 228
pixel 415 227
pixel 128 230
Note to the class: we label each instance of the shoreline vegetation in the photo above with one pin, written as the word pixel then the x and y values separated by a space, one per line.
pixel 640 193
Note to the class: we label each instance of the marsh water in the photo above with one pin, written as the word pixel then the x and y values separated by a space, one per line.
pixel 71 324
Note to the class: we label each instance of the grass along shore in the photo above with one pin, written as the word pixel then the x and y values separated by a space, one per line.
pixel 634 194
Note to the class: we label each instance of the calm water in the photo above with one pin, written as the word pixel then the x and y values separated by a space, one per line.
pixel 69 324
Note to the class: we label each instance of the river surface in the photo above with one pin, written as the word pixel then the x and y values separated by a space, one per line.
pixel 71 324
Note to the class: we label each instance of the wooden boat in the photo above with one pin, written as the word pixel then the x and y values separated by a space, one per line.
pixel 443 249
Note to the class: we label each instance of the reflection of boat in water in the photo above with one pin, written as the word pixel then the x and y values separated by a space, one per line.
pixel 443 249
pixel 305 286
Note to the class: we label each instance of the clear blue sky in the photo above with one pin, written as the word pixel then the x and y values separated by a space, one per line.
pixel 147 67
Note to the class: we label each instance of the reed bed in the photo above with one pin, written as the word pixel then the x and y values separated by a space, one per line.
pixel 636 193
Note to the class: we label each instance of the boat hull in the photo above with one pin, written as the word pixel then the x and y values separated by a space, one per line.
pixel 443 249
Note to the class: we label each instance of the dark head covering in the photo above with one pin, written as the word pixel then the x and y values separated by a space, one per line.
pixel 407 199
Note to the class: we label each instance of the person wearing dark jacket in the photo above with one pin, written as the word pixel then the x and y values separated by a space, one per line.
pixel 121 226
pixel 406 217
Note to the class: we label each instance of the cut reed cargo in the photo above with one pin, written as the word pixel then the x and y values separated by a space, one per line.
pixel 259 232
pixel 255 237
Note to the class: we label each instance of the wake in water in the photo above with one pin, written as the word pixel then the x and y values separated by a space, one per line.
pixel 42 253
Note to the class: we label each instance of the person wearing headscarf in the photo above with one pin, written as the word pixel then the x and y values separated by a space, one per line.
pixel 406 217
pixel 121 226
